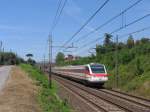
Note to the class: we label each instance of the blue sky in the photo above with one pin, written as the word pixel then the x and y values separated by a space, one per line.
pixel 25 24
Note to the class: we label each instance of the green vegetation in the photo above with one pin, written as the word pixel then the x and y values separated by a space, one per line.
pixel 30 60
pixel 133 66
pixel 9 58
pixel 47 97
pixel 60 58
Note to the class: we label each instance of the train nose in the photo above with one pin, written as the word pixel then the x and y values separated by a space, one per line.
pixel 99 75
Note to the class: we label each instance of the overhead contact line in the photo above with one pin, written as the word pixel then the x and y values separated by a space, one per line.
pixel 89 19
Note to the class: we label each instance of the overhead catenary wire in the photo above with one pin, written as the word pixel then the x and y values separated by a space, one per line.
pixel 59 11
pixel 55 17
pixel 131 33
pixel 58 14
pixel 108 21
pixel 89 19
pixel 118 29
pixel 59 4
pixel 137 20
pixel 135 32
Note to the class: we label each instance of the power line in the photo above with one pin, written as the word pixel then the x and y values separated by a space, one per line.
pixel 54 21
pixel 58 14
pixel 137 20
pixel 110 20
pixel 90 18
pixel 131 23
pixel 134 32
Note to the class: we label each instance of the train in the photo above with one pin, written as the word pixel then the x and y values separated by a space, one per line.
pixel 92 73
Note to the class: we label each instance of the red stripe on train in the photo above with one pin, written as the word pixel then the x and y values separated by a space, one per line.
pixel 99 74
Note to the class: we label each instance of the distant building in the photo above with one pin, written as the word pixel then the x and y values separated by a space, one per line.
pixel 71 58
pixel 77 57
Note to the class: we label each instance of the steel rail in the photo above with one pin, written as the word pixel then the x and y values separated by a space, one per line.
pixel 122 104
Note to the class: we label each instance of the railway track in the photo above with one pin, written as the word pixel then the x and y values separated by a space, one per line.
pixel 106 100
pixel 94 102
pixel 140 101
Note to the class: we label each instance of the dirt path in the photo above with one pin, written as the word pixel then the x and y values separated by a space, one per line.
pixel 19 94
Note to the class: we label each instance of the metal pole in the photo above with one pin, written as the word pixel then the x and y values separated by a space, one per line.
pixel 116 65
pixel 44 62
pixel 50 61
pixel 1 44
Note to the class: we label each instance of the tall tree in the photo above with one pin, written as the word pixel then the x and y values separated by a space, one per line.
pixel 145 40
pixel 60 58
pixel 10 58
pixel 29 55
pixel 130 42
pixel 107 40
pixel 30 61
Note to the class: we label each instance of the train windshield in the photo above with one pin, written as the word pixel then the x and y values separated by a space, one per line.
pixel 97 68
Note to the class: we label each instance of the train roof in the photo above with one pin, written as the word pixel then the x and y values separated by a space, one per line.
pixel 96 64
pixel 79 66
pixel 72 67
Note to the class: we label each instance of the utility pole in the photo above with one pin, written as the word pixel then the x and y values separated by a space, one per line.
pixel 50 61
pixel 50 57
pixel 1 44
pixel 116 64
pixel 44 62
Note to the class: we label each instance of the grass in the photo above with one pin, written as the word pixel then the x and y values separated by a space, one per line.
pixel 46 97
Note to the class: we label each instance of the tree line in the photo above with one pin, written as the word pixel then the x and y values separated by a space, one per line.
pixel 106 53
pixel 10 58
pixel 132 58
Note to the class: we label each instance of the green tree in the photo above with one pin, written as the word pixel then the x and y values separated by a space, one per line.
pixel 137 42
pixel 100 50
pixel 60 58
pixel 30 60
pixel 107 40
pixel 121 45
pixel 29 55
pixel 145 40
pixel 130 42
pixel 9 58
pixel 139 70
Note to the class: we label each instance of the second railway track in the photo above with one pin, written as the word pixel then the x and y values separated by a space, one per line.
pixel 106 100
pixel 131 98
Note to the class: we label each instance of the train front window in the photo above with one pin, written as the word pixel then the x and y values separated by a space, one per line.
pixel 97 69
pixel 87 69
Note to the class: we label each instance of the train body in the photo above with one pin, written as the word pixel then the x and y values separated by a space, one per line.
pixel 90 73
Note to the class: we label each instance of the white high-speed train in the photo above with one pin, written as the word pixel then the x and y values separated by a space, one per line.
pixel 91 73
